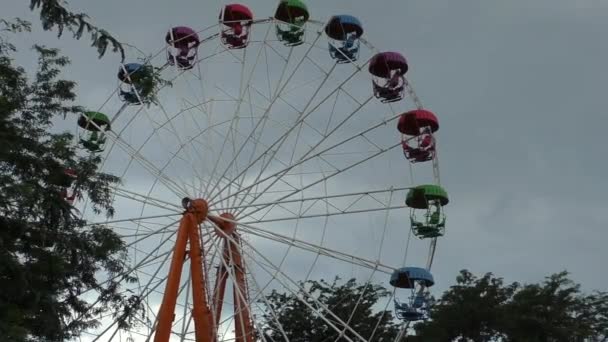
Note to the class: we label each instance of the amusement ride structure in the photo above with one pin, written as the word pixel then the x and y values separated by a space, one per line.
pixel 255 154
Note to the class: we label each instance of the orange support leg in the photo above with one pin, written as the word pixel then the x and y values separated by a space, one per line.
pixel 167 308
pixel 203 323
pixel 220 286
pixel 242 320
pixel 201 314
pixel 243 325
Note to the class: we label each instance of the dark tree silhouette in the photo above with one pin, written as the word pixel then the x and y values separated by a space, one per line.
pixel 486 309
pixel 55 15
pixel 49 258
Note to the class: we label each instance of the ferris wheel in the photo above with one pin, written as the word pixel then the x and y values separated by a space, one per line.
pixel 256 154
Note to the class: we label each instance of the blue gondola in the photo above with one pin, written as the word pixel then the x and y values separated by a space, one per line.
pixel 415 279
pixel 344 32
pixel 136 83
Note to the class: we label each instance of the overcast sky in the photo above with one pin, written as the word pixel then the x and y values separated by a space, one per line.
pixel 519 88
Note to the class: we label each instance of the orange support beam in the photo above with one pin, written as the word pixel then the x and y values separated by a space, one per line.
pixel 203 323
pixel 167 308
pixel 242 320
pixel 220 285
pixel 243 325
pixel 201 314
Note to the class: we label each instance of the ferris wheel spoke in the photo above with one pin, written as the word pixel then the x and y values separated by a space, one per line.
pixel 238 291
pixel 325 198
pixel 303 117
pixel 122 276
pixel 168 126
pixel 146 164
pixel 333 174
pixel 132 219
pixel 257 141
pixel 412 93
pixel 276 146
pixel 324 251
pixel 306 157
pixel 144 294
pixel 267 111
pixel 325 136
pixel 223 179
pixel 169 120
pixel 91 306
pixel 432 247
pixel 320 307
pixel 228 321
pixel 286 102
pixel 156 202
pixel 260 294
pixel 243 297
pixel 145 235
pixel 112 145
pixel 202 132
pixel 337 208
pixel 137 229
pixel 184 287
pixel 352 314
pixel 209 190
pixel 138 150
pixel 177 152
pixel 190 160
pixel 239 203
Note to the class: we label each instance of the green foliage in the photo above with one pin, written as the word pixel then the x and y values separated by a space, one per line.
pixel 556 310
pixel 349 301
pixel 486 309
pixel 54 15
pixel 49 259
pixel 18 25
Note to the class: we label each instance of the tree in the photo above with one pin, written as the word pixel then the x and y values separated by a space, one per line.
pixel 485 309
pixel 470 310
pixel 55 15
pixel 556 310
pixel 49 258
pixel 350 302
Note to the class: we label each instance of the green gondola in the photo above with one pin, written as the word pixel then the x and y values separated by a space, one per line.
pixel 291 16
pixel 430 199
pixel 93 125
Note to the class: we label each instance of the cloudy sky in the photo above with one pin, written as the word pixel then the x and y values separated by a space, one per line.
pixel 518 87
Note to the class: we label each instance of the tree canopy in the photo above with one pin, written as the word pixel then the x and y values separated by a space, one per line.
pixel 477 309
pixel 49 257
pixel 487 309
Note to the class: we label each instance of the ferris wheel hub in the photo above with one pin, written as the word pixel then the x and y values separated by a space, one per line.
pixel 199 208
